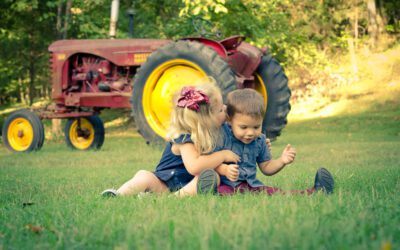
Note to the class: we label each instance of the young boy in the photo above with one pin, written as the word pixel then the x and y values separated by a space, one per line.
pixel 242 135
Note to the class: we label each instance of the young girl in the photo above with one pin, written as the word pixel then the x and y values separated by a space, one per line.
pixel 196 118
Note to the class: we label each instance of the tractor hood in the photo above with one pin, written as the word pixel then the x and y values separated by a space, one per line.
pixel 115 50
pixel 112 45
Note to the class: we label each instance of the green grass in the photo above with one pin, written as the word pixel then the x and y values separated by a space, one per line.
pixel 361 150
pixel 50 199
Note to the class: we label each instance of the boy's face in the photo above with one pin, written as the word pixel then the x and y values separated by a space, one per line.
pixel 245 128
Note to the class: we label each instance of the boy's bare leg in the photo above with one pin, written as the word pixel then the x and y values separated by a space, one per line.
pixel 142 181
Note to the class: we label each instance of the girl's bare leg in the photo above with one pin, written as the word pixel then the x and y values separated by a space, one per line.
pixel 142 181
pixel 189 189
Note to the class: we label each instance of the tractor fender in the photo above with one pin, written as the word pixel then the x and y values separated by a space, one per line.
pixel 217 46
pixel 245 60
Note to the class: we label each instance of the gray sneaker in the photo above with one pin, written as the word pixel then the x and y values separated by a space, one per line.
pixel 324 181
pixel 208 182
pixel 109 193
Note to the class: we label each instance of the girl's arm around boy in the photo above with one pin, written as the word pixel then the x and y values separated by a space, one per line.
pixel 195 163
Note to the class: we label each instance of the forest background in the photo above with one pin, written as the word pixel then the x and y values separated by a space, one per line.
pixel 309 38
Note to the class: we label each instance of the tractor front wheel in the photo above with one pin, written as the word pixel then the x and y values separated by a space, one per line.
pixel 84 133
pixel 23 131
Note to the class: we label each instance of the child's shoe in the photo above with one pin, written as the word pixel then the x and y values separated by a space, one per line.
pixel 207 182
pixel 109 193
pixel 324 181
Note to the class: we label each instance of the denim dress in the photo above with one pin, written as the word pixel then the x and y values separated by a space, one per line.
pixel 250 155
pixel 171 169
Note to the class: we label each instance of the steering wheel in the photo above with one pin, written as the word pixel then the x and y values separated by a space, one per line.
pixel 205 27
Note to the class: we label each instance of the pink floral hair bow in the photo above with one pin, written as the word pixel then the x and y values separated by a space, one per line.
pixel 191 98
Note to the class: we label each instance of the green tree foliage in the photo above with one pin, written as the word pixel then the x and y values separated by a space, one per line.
pixel 25 32
pixel 298 32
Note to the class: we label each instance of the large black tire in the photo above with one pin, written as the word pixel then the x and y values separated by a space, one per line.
pixel 173 57
pixel 23 131
pixel 278 96
pixel 93 129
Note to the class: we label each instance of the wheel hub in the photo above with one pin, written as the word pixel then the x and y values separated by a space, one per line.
pixel 81 134
pixel 20 133
pixel 85 133
pixel 162 84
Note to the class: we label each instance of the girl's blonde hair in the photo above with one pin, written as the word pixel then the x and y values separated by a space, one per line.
pixel 201 125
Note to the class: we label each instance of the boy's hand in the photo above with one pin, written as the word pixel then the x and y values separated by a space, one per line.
pixel 231 171
pixel 269 145
pixel 288 154
pixel 230 156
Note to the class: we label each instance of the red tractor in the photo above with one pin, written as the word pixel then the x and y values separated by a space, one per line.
pixel 142 74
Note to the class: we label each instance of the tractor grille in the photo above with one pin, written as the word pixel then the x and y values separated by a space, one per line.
pixel 51 74
pixel 51 69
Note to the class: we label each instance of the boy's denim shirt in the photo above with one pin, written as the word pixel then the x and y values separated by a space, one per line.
pixel 250 154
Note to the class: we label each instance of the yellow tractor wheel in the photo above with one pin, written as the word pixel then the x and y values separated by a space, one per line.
pixel 166 71
pixel 23 131
pixel 84 133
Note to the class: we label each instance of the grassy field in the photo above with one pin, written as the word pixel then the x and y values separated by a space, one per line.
pixel 50 199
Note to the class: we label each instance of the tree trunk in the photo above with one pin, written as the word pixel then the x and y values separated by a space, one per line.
pixel 381 16
pixel 43 89
pixel 46 91
pixel 59 19
pixel 56 127
pixel 27 94
pixel 21 91
pixel 373 28
pixel 56 123
pixel 353 57
pixel 66 20
pixel 356 28
pixel 31 80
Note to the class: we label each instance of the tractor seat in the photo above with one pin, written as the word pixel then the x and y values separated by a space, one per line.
pixel 231 43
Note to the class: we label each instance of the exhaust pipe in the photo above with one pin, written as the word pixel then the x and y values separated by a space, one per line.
pixel 131 13
pixel 114 18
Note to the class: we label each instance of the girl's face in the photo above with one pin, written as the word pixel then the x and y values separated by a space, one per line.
pixel 220 111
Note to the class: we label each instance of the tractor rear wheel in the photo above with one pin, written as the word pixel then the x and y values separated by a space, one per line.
pixel 84 133
pixel 272 83
pixel 167 70
pixel 23 131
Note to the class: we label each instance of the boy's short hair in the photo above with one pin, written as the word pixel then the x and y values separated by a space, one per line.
pixel 246 102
